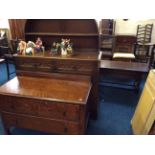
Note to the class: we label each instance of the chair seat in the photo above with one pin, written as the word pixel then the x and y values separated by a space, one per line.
pixel 123 55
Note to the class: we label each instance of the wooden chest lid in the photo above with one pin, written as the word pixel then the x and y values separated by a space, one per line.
pixel 66 90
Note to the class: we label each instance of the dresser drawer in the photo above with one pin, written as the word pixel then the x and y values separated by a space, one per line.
pixel 55 66
pixel 34 65
pixel 75 67
pixel 35 107
pixel 42 124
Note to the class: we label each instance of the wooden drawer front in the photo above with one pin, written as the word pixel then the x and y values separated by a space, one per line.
pixel 56 66
pixel 75 67
pixel 57 110
pixel 34 65
pixel 41 124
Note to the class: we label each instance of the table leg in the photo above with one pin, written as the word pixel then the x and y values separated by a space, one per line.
pixel 137 85
pixel 7 68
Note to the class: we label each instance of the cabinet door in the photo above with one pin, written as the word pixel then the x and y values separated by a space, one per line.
pixel 141 120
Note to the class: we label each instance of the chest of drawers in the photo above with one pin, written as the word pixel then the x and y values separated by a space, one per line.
pixel 24 104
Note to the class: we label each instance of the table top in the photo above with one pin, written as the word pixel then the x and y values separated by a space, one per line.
pixel 125 66
pixel 53 89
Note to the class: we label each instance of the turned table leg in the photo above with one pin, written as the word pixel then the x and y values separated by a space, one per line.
pixel 137 85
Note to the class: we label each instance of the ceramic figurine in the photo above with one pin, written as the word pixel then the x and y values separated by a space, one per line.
pixel 64 45
pixel 39 45
pixel 30 48
pixel 63 50
pixel 70 49
pixel 21 47
pixel 55 48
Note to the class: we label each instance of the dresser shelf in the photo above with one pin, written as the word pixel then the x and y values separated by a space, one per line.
pixel 82 33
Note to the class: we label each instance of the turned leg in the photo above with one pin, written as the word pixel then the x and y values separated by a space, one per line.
pixel 136 86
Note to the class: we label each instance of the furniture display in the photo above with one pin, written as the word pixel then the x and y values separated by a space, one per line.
pixel 107 30
pixel 124 70
pixel 69 83
pixel 143 43
pixel 124 47
pixel 144 116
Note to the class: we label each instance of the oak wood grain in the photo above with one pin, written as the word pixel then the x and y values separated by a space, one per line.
pixel 50 89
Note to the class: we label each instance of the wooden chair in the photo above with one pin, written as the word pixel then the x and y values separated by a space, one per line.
pixel 143 43
pixel 9 56
pixel 7 49
pixel 2 61
pixel 124 48
pixel 4 41
pixel 152 58
pixel 107 30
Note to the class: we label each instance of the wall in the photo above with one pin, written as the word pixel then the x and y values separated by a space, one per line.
pixel 130 27
pixel 122 27
pixel 4 23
